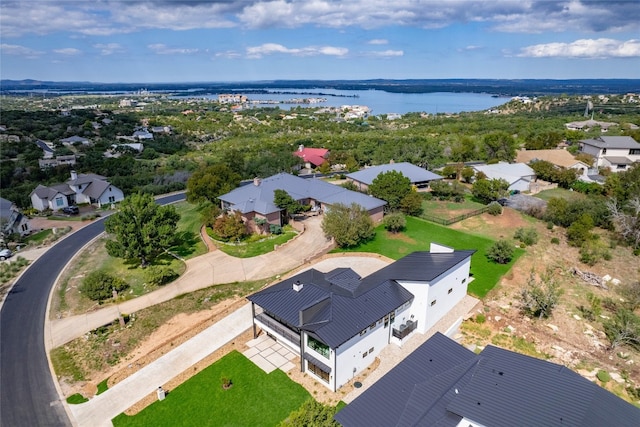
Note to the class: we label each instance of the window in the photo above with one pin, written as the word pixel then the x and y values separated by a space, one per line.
pixel 450 290
pixel 324 376
pixel 604 151
pixel 371 350
pixel 621 166
pixel 433 303
pixel 112 199
pixel 373 325
pixel 364 331
pixel 364 354
pixel 392 317
pixel 386 320
pixel 24 227
pixel 464 280
pixel 634 152
pixel 59 201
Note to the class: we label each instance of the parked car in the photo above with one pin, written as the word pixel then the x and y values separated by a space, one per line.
pixel 5 254
pixel 71 210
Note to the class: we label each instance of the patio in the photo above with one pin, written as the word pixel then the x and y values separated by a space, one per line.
pixel 270 355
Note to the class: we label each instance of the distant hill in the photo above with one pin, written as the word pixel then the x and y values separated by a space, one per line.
pixel 528 87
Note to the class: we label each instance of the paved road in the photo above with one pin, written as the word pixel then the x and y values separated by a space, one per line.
pixel 28 395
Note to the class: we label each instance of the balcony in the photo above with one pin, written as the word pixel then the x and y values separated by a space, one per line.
pixel 279 328
pixel 405 329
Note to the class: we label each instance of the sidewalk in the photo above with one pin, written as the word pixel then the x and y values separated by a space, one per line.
pixel 212 268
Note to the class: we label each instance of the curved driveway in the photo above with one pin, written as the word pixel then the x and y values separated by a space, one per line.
pixel 28 394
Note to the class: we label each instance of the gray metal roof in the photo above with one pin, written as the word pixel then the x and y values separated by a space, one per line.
pixel 612 142
pixel 259 198
pixel 495 388
pixel 510 172
pixel 415 173
pixel 619 160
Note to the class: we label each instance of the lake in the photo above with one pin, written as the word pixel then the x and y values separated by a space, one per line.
pixel 381 102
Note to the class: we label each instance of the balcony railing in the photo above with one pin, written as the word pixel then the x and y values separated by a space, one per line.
pixel 278 328
pixel 405 329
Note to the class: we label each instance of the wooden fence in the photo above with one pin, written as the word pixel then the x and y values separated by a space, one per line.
pixel 449 221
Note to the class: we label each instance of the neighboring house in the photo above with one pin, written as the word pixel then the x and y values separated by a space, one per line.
pixel 589 124
pixel 225 98
pixel 135 146
pixel 46 147
pixel 256 200
pixel 161 129
pixel 446 385
pixel 312 157
pixel 68 160
pixel 615 152
pixel 418 176
pixel 142 134
pixel 559 158
pixel 339 322
pixel 72 140
pixel 518 175
pixel 84 188
pixel 12 220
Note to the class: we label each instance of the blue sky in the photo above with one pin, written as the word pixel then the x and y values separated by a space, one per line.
pixel 245 40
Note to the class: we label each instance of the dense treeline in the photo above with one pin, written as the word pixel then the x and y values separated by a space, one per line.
pixel 259 142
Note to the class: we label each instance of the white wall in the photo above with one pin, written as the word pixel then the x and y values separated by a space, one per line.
pixel 349 354
pixel 112 191
pixel 456 280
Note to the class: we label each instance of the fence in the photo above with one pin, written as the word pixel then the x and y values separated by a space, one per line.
pixel 449 221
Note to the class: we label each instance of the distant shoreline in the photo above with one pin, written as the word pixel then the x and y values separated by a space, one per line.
pixel 524 87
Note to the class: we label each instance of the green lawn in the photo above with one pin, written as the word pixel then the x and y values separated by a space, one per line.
pixel 255 399
pixel 560 193
pixel 420 233
pixel 189 225
pixel 39 237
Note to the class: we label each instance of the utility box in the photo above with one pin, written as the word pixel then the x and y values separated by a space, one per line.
pixel 161 393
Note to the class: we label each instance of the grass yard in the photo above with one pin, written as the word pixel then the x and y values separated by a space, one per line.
pixel 251 248
pixel 189 225
pixel 450 209
pixel 560 193
pixel 255 399
pixel 420 233
pixel 39 237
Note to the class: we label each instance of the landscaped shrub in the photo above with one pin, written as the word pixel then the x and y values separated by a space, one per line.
pixel 555 240
pixel 494 208
pixel 99 285
pixel 603 376
pixel 500 252
pixel 275 229
pixel 230 227
pixel 394 222
pixel 159 275
pixel 480 318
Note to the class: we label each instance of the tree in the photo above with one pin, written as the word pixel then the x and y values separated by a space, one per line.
pixel 230 227
pixel 488 190
pixel 348 225
pixel 99 285
pixel 394 222
pixel 539 298
pixel 499 146
pixel 580 230
pixel 411 204
pixel 210 182
pixel 141 228
pixel 623 329
pixel 467 174
pixel 392 187
pixel 500 252
pixel 284 201
pixel 626 221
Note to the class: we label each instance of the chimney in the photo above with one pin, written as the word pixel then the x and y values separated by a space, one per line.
pixel 256 181
pixel 301 147
pixel 74 175
pixel 297 286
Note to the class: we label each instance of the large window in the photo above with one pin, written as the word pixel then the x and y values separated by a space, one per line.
pixel 634 151
pixel 324 376
pixel 319 347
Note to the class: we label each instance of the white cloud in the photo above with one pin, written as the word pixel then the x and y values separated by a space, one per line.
pixel 274 48
pixel 69 51
pixel 584 48
pixel 378 41
pixel 162 49
pixel 471 48
pixel 108 48
pixel 17 50
pixel 386 53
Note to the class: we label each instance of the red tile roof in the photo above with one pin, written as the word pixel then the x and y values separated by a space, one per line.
pixel 315 156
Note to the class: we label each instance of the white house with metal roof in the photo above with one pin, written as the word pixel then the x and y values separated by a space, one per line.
pixel 418 176
pixel 255 200
pixel 518 175
pixel 81 188
pixel 339 322
pixel 615 152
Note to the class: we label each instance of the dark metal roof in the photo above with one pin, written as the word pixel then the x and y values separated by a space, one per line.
pixel 384 403
pixel 615 142
pixel 323 367
pixel 417 266
pixel 495 388
pixel 333 323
